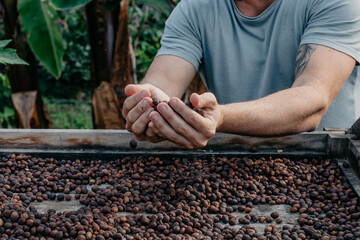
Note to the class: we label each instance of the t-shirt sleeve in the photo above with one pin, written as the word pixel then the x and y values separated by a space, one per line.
pixel 182 35
pixel 335 24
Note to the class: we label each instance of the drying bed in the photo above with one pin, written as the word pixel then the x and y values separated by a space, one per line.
pixel 298 187
pixel 179 198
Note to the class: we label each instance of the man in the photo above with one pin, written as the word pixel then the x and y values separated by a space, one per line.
pixel 275 67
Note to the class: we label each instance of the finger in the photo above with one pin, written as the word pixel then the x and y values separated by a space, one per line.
pixel 205 100
pixel 140 125
pixel 151 135
pixel 153 130
pixel 131 89
pixel 198 123
pixel 131 101
pixel 179 125
pixel 136 112
pixel 167 131
pixel 140 138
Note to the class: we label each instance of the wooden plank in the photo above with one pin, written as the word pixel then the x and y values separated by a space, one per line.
pixel 119 140
pixel 338 143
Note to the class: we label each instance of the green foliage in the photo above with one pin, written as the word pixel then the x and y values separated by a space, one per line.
pixel 76 74
pixel 37 19
pixel 8 55
pixel 66 4
pixel 70 114
pixel 160 6
pixel 7 114
pixel 146 29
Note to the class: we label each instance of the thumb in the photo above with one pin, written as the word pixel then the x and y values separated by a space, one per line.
pixel 131 89
pixel 205 100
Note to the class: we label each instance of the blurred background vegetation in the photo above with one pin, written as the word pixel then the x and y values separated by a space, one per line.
pixel 68 99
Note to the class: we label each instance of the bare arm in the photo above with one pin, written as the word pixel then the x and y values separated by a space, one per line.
pixel 320 73
pixel 171 74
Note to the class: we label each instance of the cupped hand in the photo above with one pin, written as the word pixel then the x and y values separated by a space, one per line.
pixel 183 126
pixel 137 108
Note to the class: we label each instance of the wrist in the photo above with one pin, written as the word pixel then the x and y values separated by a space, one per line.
pixel 221 120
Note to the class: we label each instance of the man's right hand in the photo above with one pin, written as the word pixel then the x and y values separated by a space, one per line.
pixel 138 106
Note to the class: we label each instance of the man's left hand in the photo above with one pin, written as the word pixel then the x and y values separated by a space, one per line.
pixel 182 125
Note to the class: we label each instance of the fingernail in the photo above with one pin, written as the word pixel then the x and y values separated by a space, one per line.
pixel 143 94
pixel 173 102
pixel 162 109
pixel 145 104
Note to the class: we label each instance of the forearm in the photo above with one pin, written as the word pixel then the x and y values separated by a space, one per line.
pixel 171 74
pixel 299 108
pixel 293 110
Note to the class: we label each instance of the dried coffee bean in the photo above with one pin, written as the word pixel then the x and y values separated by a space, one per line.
pixel 14 216
pixel 346 165
pixel 133 143
pixel 278 220
pixel 262 219
pixel 189 104
pixel 269 219
pixel 60 197
pixel 274 215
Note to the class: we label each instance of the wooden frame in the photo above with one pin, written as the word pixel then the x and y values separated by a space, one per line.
pixel 331 143
pixel 338 144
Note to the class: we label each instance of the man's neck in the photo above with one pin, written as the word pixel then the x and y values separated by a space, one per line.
pixel 252 8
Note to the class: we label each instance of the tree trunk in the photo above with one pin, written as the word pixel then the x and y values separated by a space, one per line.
pixel 110 62
pixel 112 67
pixel 23 79
pixel 122 70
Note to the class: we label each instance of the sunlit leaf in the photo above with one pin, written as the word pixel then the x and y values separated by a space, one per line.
pixel 8 55
pixel 37 20
pixel 4 43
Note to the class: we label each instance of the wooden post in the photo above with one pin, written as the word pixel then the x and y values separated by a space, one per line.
pixel 356 128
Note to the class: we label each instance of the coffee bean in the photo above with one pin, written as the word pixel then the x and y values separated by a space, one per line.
pixel 133 143
pixel 14 216
pixel 274 215
pixel 60 197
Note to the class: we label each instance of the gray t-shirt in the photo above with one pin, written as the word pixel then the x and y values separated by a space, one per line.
pixel 242 58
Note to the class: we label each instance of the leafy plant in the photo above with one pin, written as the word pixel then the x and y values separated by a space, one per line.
pixel 160 6
pixel 38 20
pixel 8 55
pixel 7 114
pixel 76 73
pixel 146 24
